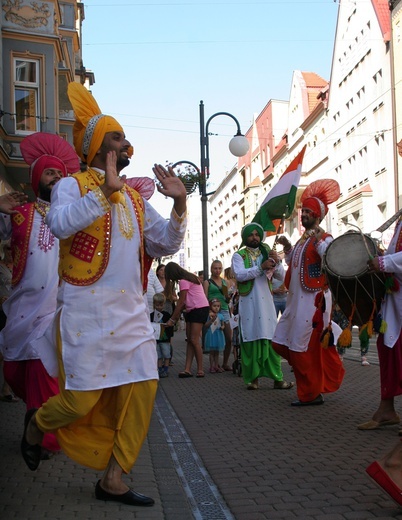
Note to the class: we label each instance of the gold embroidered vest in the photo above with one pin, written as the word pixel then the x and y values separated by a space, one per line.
pixel 22 222
pixel 246 287
pixel 85 255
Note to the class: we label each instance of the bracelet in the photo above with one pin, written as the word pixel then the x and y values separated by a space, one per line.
pixel 173 321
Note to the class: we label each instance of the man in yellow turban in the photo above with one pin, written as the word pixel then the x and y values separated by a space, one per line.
pixel 106 353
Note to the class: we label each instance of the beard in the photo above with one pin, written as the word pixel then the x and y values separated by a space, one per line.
pixel 45 191
pixel 122 162
pixel 253 243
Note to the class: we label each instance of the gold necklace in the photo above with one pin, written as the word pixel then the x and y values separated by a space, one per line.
pixel 254 253
pixel 42 207
pixel 123 211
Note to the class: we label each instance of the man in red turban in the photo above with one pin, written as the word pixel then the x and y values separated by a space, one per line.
pixel 317 370
pixel 35 254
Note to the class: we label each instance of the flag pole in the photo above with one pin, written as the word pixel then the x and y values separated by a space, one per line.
pixel 279 231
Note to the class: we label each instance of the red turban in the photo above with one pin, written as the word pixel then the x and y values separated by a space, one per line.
pixel 41 164
pixel 318 208
pixel 42 150
pixel 318 195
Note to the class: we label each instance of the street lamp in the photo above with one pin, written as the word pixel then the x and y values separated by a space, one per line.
pixel 238 146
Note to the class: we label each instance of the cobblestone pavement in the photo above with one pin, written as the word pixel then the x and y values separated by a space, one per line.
pixel 216 450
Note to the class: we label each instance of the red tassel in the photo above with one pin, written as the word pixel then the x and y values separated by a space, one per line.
pixel 317 300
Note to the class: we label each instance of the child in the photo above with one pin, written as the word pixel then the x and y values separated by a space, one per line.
pixel 166 333
pixel 214 339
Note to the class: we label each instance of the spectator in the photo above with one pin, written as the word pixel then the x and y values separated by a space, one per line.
pixel 161 317
pixel 154 286
pixel 214 338
pixel 192 297
pixel 280 295
pixel 216 288
pixel 169 304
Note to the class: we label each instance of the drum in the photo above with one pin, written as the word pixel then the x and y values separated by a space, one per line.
pixel 352 286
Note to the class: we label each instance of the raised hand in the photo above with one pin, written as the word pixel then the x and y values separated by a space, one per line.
pixel 11 200
pixel 112 182
pixel 171 186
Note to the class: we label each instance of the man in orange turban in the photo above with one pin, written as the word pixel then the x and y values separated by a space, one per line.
pixel 107 363
pixel 317 370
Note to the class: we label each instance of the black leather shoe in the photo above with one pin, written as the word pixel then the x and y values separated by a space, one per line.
pixel 130 498
pixel 31 453
pixel 318 400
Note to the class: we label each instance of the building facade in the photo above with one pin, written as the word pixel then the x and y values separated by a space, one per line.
pixel 351 127
pixel 40 50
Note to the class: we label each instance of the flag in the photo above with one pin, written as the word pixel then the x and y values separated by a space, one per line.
pixel 280 201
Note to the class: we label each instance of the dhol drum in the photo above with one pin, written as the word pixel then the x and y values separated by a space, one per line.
pixel 352 286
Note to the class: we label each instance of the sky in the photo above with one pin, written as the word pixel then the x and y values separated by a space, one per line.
pixel 154 61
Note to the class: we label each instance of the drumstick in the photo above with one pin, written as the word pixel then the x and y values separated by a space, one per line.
pixel 364 241
pixel 389 222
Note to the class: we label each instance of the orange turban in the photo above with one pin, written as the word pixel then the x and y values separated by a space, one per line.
pixel 318 195
pixel 90 124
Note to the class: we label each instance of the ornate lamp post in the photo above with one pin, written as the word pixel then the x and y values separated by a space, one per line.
pixel 238 146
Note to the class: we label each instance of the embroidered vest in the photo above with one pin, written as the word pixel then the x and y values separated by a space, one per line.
pixel 246 287
pixel 398 245
pixel 311 276
pixel 85 255
pixel 21 222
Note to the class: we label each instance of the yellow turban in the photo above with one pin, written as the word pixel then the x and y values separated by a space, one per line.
pixel 90 124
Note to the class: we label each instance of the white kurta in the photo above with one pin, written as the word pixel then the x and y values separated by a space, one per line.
pixel 31 305
pixel 106 333
pixel 295 325
pixel 391 309
pixel 256 310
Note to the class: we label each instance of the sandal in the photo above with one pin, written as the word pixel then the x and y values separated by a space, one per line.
pixel 185 374
pixel 200 374
pixel 283 385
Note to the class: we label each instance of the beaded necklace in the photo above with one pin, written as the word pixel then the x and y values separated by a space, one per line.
pixel 46 238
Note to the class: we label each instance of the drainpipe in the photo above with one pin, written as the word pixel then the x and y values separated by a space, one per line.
pixel 391 4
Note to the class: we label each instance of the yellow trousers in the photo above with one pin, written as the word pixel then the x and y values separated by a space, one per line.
pixel 91 426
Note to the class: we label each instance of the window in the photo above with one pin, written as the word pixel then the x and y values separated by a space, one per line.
pixel 26 95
